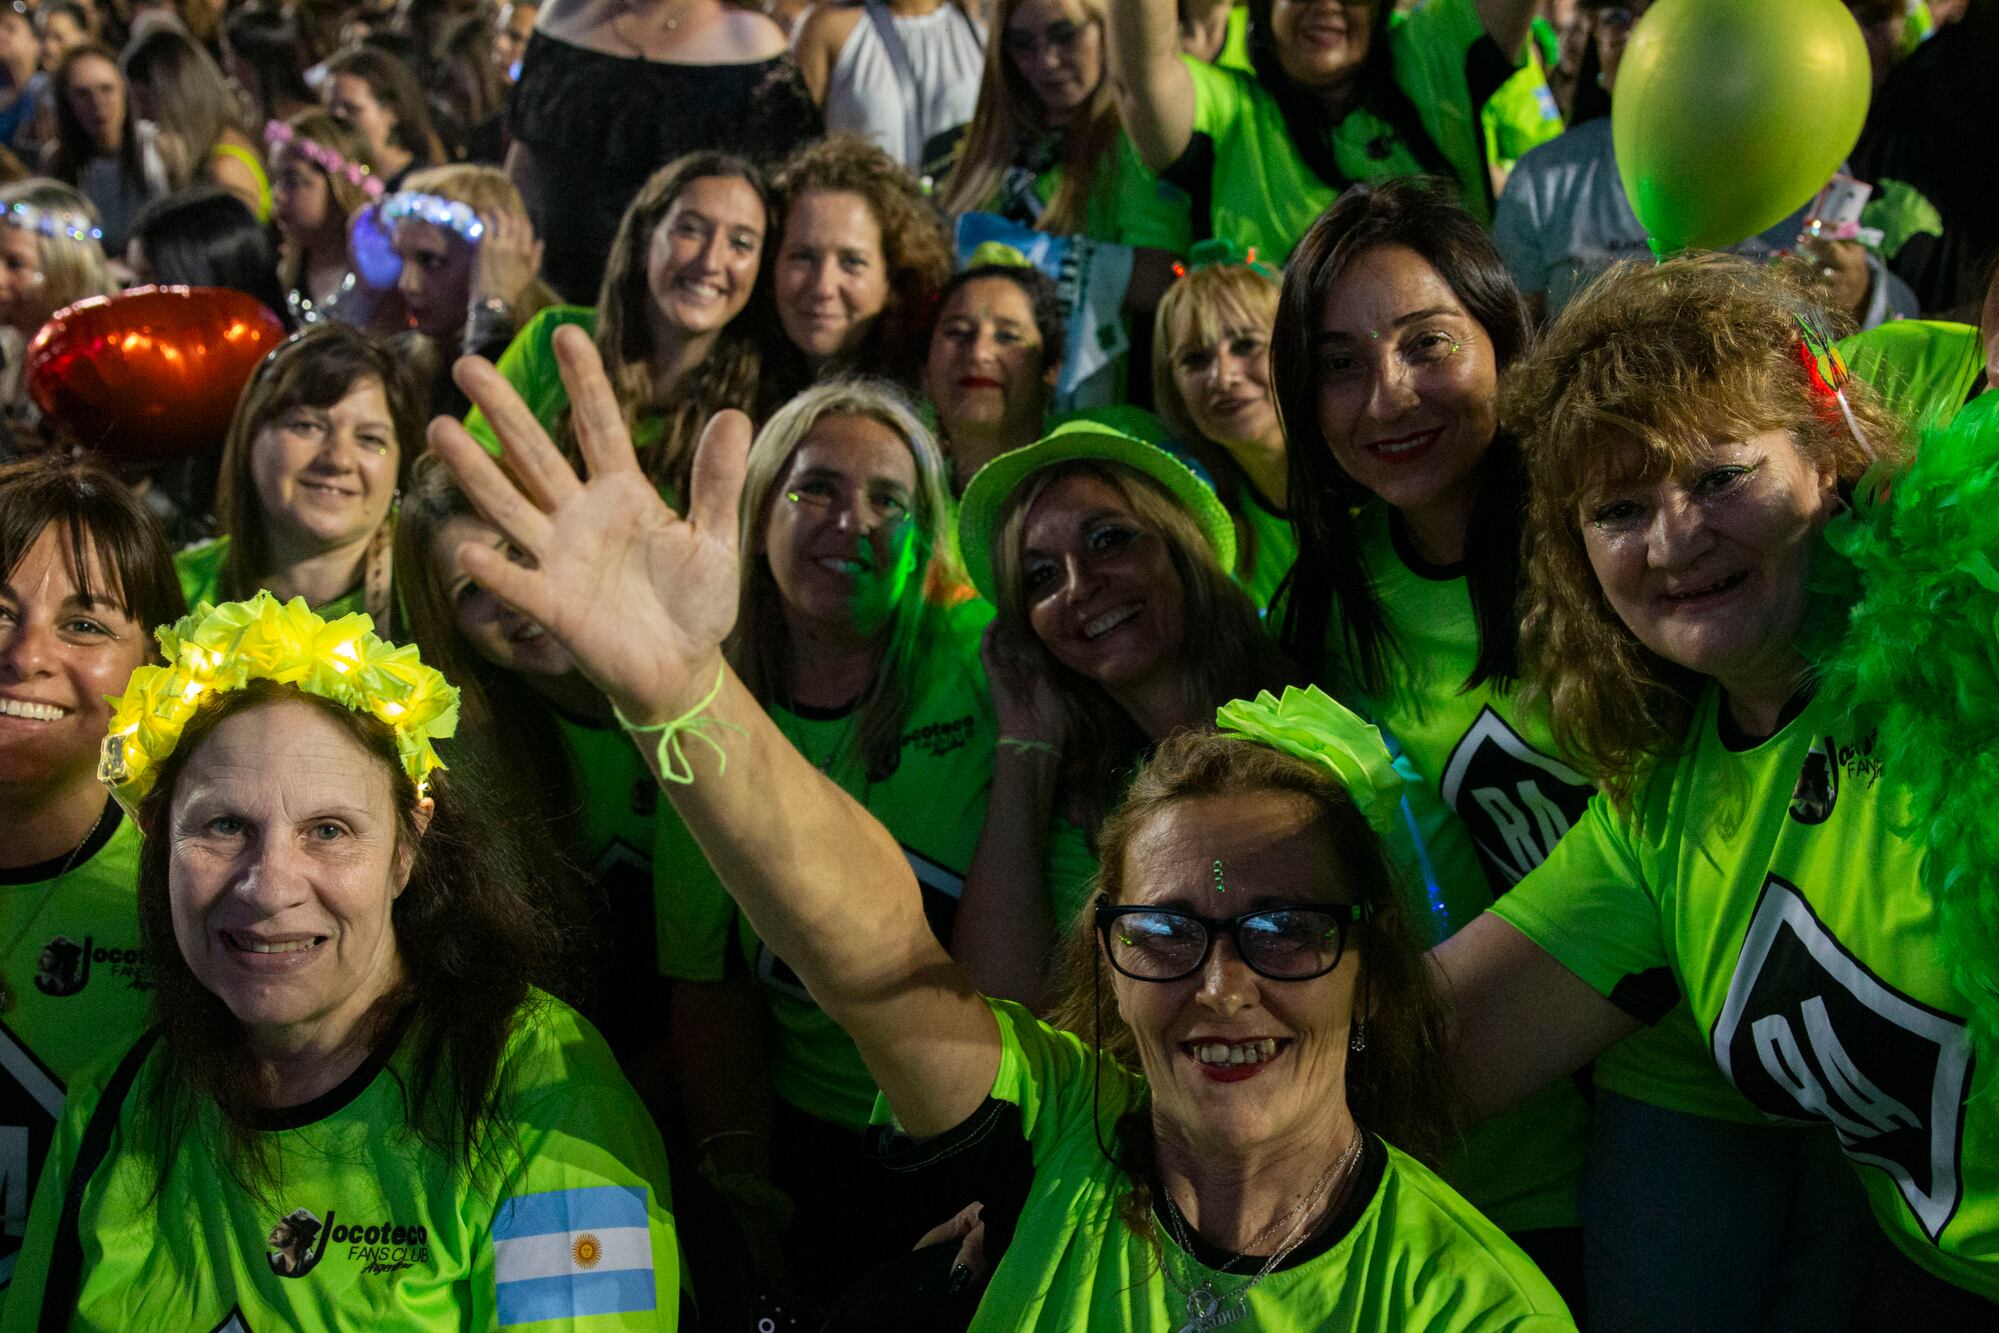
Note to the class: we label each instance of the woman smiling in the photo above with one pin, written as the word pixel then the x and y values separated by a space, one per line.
pixel 683 318
pixel 320 444
pixel 1267 935
pixel 994 358
pixel 355 1109
pixel 1755 835
pixel 84 572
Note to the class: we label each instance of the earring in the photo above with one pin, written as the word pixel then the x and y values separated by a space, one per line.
pixel 1358 1041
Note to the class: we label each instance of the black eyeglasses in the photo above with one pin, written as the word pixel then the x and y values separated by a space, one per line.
pixel 1282 943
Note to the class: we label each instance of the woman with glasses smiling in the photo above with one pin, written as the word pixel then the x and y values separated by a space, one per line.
pixel 857 638
pixel 1235 1172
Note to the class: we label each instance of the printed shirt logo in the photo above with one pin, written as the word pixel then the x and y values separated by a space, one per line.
pixel 300 1240
pixel 233 1322
pixel 1516 801
pixel 1817 791
pixel 65 967
pixel 1809 1031
pixel 30 1100
pixel 566 1254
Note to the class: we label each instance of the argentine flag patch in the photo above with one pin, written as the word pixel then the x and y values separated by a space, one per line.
pixel 564 1254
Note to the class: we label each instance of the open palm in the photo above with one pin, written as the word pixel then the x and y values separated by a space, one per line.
pixel 639 596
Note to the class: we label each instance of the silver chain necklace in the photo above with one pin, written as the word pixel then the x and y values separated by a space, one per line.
pixel 1208 1308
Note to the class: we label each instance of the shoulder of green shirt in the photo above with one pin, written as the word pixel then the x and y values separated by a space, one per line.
pixel 529 365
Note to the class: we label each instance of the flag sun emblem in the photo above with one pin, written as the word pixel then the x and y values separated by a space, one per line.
pixel 586 1250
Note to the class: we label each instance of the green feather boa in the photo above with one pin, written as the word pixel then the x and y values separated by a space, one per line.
pixel 1919 660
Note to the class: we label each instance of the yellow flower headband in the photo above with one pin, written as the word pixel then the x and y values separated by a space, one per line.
pixel 225 647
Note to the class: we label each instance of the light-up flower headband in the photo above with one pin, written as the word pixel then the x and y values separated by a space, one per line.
pixel 329 160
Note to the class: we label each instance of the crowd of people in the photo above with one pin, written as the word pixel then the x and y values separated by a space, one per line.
pixel 1045 664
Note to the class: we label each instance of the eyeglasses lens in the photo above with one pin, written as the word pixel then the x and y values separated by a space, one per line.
pixel 1165 946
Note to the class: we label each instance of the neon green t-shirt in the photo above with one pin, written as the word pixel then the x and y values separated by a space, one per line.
pixel 1266 546
pixel 1772 879
pixel 529 365
pixel 74 987
pixel 366 1229
pixel 1923 369
pixel 1406 1252
pixel 1235 47
pixel 1522 114
pixel 199 568
pixel 1263 194
pixel 934 803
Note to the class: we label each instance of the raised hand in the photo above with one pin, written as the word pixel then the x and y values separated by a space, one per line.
pixel 1025 705
pixel 640 597
pixel 509 256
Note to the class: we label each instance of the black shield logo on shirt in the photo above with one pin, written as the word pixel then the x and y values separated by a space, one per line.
pixel 1809 1032
pixel 297 1241
pixel 64 966
pixel 1516 801
pixel 1817 791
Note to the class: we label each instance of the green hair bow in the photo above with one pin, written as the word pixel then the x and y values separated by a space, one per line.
pixel 1311 725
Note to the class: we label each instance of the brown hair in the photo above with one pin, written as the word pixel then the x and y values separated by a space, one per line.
pixel 97 516
pixel 485 190
pixel 329 131
pixel 191 100
pixel 915 247
pixel 1657 359
pixel 1227 654
pixel 732 375
pixel 72 148
pixel 1397 1088
pixel 1009 120
pixel 316 368
pixel 473 938
pixel 394 84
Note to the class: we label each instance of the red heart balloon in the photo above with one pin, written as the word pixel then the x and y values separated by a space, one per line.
pixel 152 373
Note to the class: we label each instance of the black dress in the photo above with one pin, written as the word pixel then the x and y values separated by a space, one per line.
pixel 599 125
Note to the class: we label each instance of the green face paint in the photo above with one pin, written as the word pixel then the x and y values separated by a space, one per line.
pixel 1220 887
pixel 879 590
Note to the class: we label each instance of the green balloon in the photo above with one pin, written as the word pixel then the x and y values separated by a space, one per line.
pixel 1731 114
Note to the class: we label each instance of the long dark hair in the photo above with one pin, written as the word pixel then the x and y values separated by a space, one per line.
pixel 1421 215
pixel 1305 116
pixel 96 514
pixel 207 237
pixel 472 937
pixel 73 147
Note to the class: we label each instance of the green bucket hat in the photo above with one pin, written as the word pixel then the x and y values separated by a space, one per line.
pixel 1082 438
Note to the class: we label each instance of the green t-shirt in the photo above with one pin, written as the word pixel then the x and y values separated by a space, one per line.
pixel 1235 47
pixel 1522 114
pixel 364 1228
pixel 200 570
pixel 1266 546
pixel 1128 203
pixel 1406 1252
pixel 1773 880
pixel 1923 369
pixel 934 803
pixel 529 365
pixel 1263 194
pixel 74 989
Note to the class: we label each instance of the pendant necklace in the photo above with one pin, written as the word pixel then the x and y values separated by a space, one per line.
pixel 1209 1308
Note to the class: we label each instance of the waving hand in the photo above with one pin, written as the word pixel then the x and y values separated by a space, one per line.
pixel 641 597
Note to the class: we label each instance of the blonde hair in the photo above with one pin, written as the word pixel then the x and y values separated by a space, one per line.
pixel 1201 309
pixel 329 131
pixel 1009 119
pixel 484 190
pixel 759 646
pixel 1659 360
pixel 1230 656
pixel 71 269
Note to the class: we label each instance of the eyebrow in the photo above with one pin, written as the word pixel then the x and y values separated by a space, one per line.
pixel 1096 516
pixel 1428 312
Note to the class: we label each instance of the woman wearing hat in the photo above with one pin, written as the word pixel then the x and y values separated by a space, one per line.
pixel 1249 942
pixel 1118 625
pixel 355 1109
pixel 855 636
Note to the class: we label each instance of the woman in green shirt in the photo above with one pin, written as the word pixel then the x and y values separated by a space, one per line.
pixel 683 318
pixel 84 575
pixel 1117 625
pixel 1211 383
pixel 1792 751
pixel 321 443
pixel 355 1109
pixel 1249 939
